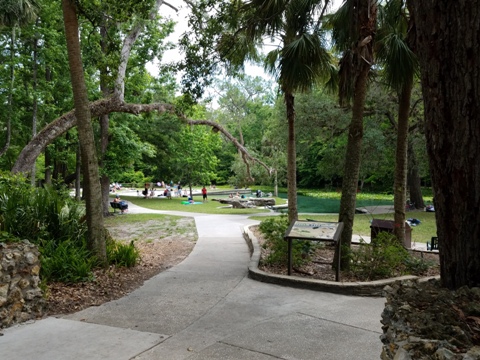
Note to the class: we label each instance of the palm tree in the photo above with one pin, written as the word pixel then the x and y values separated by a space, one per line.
pixel 354 27
pixel 18 12
pixel 300 60
pixel 400 67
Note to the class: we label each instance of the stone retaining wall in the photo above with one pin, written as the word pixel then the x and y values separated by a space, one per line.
pixel 421 320
pixel 21 298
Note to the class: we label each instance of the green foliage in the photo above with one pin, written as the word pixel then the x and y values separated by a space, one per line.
pixel 67 262
pixel 6 237
pixel 121 254
pixel 197 162
pixel 50 219
pixel 274 230
pixel 383 258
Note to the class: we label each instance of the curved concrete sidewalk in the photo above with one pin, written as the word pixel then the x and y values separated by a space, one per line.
pixel 207 308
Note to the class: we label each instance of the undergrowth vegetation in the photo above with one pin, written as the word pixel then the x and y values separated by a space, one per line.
pixel 51 219
pixel 383 258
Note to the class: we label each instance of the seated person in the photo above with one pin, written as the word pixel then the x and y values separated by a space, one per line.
pixel 117 199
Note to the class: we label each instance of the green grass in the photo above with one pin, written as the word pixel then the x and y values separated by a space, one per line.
pixel 137 218
pixel 209 207
pixel 361 226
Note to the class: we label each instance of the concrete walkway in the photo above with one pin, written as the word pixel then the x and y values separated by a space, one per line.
pixel 207 308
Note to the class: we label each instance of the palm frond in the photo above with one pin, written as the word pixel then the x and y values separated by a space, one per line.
pixel 18 12
pixel 304 61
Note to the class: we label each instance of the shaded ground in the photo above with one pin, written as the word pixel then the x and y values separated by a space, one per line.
pixel 162 244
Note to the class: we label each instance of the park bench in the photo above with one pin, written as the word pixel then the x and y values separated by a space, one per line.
pixel 122 206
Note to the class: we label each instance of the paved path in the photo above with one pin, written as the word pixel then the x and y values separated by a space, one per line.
pixel 207 308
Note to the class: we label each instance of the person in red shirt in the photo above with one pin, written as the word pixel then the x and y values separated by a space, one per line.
pixel 204 193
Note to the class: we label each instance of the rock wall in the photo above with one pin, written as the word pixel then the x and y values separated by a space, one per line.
pixel 21 298
pixel 422 320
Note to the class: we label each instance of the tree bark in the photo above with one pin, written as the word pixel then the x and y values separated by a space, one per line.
pixel 448 34
pixel 401 161
pixel 10 93
pixel 291 159
pixel 414 183
pixel 35 102
pixel 91 182
pixel 363 59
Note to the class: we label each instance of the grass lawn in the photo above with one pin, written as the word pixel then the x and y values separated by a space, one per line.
pixel 420 233
pixel 209 207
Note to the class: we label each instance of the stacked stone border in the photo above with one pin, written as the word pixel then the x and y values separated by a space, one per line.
pixel 21 298
pixel 368 288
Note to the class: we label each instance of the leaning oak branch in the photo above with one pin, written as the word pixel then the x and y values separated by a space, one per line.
pixel 59 126
pixel 229 136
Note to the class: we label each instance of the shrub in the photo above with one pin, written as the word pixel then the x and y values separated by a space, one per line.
pixel 66 262
pixel 273 230
pixel 384 257
pixel 122 254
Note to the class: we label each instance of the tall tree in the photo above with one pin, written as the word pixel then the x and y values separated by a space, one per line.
pixel 400 66
pixel 14 13
pixel 354 31
pixel 447 38
pixel 91 177
pixel 300 60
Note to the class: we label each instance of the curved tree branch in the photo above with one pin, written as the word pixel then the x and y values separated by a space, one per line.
pixel 34 148
pixel 64 123
pixel 230 137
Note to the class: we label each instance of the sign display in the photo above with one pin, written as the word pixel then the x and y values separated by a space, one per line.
pixel 314 230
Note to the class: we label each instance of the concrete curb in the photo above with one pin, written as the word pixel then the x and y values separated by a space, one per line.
pixel 369 288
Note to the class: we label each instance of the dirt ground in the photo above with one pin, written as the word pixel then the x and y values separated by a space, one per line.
pixel 162 244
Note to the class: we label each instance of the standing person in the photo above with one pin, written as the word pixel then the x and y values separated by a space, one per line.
pixel 204 193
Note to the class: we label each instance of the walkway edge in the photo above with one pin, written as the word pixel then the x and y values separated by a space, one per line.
pixel 369 288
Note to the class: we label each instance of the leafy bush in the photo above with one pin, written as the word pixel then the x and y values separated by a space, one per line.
pixel 384 257
pixel 6 237
pixel 66 262
pixel 122 254
pixel 274 230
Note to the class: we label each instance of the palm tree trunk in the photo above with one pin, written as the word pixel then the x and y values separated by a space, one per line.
pixel 401 162
pixel 91 183
pixel 413 178
pixel 366 15
pixel 291 159
pixel 352 166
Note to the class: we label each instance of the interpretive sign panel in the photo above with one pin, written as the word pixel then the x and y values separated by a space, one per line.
pixel 314 231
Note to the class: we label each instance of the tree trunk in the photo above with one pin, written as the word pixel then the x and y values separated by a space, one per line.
pixel 414 182
pixel 10 93
pixel 291 159
pixel 401 161
pixel 48 167
pixel 35 102
pixel 104 127
pixel 91 182
pixel 78 174
pixel 448 34
pixel 363 53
